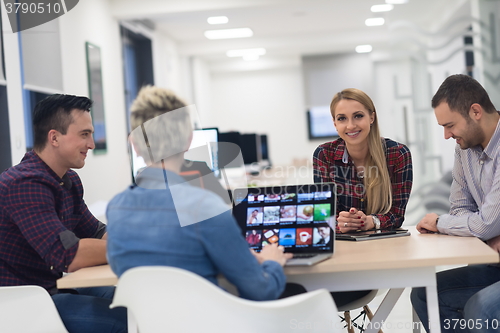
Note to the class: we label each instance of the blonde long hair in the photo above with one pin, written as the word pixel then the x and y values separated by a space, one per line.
pixel 378 186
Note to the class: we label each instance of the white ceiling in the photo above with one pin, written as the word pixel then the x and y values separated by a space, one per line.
pixel 286 28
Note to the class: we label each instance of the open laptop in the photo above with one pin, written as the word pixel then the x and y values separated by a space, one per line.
pixel 372 234
pixel 294 216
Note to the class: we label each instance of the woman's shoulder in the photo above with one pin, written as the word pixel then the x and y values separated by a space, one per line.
pixel 331 148
pixel 331 145
pixel 396 150
pixel 395 146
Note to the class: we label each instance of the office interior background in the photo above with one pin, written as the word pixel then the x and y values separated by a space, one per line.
pixel 310 54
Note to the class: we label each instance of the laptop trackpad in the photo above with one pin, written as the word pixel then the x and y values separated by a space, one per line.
pixel 307 260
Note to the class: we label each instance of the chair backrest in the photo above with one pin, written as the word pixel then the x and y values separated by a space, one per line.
pixel 360 302
pixel 28 309
pixel 168 299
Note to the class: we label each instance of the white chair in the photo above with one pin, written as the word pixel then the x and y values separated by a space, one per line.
pixel 30 309
pixel 168 299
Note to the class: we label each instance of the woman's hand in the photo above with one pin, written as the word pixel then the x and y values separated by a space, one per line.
pixel 354 220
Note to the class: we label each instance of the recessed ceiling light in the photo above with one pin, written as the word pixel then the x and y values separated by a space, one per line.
pixel 217 20
pixel 396 2
pixel 382 8
pixel 371 22
pixel 229 33
pixel 251 57
pixel 363 48
pixel 243 52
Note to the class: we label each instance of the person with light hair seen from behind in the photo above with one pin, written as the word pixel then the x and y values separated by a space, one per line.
pixel 162 220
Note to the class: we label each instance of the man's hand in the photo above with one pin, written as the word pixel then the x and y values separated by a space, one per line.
pixel 494 243
pixel 272 252
pixel 428 224
pixel 91 252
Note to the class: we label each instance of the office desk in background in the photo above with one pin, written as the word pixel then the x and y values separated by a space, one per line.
pixel 394 263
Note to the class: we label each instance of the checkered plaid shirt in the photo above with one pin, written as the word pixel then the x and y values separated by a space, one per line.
pixel 329 167
pixel 42 218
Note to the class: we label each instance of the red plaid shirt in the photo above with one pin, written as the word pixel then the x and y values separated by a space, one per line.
pixel 329 167
pixel 42 218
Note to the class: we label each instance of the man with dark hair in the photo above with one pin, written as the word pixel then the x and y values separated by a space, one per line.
pixel 464 109
pixel 45 226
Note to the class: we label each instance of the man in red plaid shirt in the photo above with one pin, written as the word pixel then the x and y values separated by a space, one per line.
pixel 45 226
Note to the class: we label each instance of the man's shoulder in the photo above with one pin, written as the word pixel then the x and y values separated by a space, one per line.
pixel 396 151
pixel 21 172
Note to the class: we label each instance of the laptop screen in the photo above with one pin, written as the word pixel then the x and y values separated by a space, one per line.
pixel 295 216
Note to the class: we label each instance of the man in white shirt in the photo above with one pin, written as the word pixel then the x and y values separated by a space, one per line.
pixel 464 109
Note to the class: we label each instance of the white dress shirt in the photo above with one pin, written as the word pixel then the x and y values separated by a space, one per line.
pixel 475 192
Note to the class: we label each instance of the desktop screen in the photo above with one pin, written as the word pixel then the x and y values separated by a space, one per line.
pixel 320 123
pixel 250 145
pixel 264 147
pixel 229 149
pixel 203 148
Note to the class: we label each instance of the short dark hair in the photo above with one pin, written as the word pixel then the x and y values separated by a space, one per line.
pixel 54 112
pixel 460 91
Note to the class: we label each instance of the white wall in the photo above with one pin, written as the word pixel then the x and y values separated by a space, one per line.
pixel 201 91
pixel 14 91
pixel 106 174
pixel 266 102
pixel 167 63
pixel 489 42
pixel 326 75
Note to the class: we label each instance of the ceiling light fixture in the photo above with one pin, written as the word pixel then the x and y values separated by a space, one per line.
pixel 217 20
pixel 396 2
pixel 363 48
pixel 375 21
pixel 229 33
pixel 251 57
pixel 244 52
pixel 382 8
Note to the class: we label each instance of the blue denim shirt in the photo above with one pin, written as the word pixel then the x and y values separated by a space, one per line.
pixel 144 230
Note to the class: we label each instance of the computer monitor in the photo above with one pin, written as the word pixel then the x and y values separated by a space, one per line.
pixel 251 149
pixel 229 149
pixel 320 123
pixel 264 148
pixel 203 148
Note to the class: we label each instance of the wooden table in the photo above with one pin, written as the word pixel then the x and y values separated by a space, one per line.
pixel 96 276
pixel 394 263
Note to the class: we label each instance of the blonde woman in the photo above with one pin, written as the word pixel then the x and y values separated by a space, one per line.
pixel 373 174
